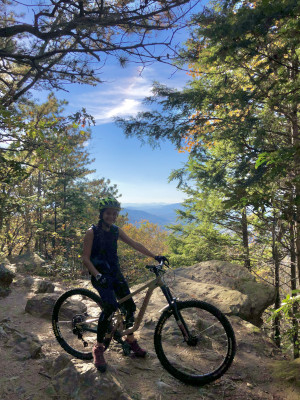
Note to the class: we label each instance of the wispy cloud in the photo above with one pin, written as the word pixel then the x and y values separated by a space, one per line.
pixel 122 97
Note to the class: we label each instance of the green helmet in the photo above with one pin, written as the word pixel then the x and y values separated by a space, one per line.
pixel 109 202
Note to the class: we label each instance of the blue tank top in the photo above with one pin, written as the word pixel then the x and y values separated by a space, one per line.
pixel 104 254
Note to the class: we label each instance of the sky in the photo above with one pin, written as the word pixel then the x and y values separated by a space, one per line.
pixel 139 171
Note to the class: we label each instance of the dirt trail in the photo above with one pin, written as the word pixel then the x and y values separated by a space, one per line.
pixel 250 376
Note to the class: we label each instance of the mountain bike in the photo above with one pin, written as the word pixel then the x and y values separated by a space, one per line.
pixel 193 340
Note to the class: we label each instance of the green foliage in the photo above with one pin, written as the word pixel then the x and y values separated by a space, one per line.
pixel 289 312
pixel 47 200
pixel 285 311
pixel 207 232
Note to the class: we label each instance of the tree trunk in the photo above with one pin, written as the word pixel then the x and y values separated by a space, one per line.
pixel 295 324
pixel 275 254
pixel 245 239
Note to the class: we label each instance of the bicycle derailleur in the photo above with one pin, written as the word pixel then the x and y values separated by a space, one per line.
pixel 78 329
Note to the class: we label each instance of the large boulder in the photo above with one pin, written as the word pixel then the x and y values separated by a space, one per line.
pixel 41 306
pixel 6 278
pixel 229 286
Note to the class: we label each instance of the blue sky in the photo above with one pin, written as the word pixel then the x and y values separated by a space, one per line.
pixel 140 172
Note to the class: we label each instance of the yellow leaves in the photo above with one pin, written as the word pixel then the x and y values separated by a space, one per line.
pixel 235 113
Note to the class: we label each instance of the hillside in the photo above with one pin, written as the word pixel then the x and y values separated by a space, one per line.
pixel 49 373
pixel 162 214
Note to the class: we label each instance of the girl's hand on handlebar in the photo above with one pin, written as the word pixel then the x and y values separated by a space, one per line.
pixel 162 259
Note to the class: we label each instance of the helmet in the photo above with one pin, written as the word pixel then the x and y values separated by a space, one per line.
pixel 109 202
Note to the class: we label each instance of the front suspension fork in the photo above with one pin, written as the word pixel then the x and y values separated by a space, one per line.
pixel 177 315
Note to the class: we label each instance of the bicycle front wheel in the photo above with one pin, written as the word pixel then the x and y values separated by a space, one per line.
pixel 207 354
pixel 75 320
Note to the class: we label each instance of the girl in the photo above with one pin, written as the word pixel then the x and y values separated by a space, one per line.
pixel 101 259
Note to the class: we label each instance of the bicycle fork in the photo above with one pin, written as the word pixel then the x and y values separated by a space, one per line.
pixel 177 315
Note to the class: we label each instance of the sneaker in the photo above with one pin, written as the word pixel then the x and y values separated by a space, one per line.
pixel 99 360
pixel 136 349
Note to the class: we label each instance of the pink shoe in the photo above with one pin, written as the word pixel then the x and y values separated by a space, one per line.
pixel 136 349
pixel 98 356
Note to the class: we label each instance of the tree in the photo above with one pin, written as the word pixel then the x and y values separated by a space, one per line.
pixel 132 262
pixel 68 41
pixel 48 203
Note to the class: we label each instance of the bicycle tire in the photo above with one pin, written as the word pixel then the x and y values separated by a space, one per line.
pixel 55 320
pixel 174 368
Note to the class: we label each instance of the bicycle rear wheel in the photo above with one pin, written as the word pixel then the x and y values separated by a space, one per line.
pixel 209 352
pixel 75 320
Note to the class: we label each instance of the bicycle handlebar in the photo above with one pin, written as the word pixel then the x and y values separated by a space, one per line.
pixel 157 267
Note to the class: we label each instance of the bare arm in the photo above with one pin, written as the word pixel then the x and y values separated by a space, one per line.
pixel 135 245
pixel 87 248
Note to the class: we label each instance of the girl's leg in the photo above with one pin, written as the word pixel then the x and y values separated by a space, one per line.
pixel 110 305
pixel 122 289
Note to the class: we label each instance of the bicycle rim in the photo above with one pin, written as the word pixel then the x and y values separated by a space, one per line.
pixel 75 320
pixel 210 351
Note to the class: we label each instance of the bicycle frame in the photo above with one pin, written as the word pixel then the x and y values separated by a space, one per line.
pixel 151 285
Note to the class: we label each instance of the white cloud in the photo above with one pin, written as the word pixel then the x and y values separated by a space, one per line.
pixel 123 91
pixel 122 97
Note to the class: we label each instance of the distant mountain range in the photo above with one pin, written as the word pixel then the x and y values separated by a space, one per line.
pixel 162 214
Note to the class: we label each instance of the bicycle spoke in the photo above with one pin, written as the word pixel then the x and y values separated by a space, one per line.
pixel 208 346
pixel 77 321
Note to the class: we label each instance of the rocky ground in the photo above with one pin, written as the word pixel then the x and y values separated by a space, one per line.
pixel 33 366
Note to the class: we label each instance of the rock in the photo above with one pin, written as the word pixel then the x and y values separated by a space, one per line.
pixel 89 383
pixel 39 285
pixel 24 345
pixel 164 386
pixel 6 278
pixel 3 334
pixel 232 287
pixel 54 366
pixel 41 305
pixel 28 262
pixel 28 281
pixel 12 268
pixel 58 364
pixel 27 347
